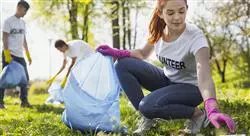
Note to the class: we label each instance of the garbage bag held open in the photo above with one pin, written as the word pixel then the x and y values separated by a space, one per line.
pixel 91 96
pixel 13 75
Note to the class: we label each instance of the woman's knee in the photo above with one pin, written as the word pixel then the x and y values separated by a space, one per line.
pixel 146 109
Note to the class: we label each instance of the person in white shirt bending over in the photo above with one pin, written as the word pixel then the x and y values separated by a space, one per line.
pixel 73 49
pixel 185 81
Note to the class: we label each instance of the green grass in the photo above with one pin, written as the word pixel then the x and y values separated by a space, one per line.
pixel 41 120
pixel 45 120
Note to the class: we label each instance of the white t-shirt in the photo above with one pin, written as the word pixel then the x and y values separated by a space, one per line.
pixel 179 55
pixel 16 29
pixel 79 49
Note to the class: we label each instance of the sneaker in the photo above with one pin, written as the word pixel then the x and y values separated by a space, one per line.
pixel 144 125
pixel 26 105
pixel 2 106
pixel 193 126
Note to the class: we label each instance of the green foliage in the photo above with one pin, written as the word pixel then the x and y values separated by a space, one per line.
pixel 226 27
pixel 39 87
pixel 235 79
pixel 73 18
pixel 48 13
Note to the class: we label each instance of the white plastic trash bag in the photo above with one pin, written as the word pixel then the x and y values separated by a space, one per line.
pixel 56 94
pixel 91 96
pixel 13 75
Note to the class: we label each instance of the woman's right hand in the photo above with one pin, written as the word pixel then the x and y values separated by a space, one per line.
pixel 116 53
pixel 216 117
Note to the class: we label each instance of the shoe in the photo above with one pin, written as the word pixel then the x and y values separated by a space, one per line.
pixel 193 126
pixel 2 106
pixel 26 105
pixel 144 125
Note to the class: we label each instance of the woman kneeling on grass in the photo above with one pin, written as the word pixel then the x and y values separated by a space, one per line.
pixel 185 81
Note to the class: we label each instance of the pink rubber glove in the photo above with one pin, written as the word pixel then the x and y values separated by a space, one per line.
pixel 217 118
pixel 106 50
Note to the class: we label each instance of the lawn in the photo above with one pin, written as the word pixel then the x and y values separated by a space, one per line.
pixel 45 120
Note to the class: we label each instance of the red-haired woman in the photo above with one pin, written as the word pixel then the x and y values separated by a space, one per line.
pixel 185 81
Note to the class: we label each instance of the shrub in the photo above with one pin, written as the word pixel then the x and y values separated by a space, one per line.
pixel 39 87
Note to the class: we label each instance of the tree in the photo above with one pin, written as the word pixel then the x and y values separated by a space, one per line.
pixel 223 35
pixel 87 12
pixel 124 22
pixel 64 15
pixel 127 7
pixel 72 7
pixel 236 14
pixel 115 23
pixel 119 11
pixel 219 43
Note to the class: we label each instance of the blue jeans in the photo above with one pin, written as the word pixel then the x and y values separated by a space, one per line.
pixel 167 100
pixel 24 89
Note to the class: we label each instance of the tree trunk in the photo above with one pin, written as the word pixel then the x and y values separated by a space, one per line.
pixel 135 28
pixel 72 7
pixel 248 52
pixel 221 72
pixel 124 24
pixel 85 23
pixel 248 61
pixel 128 27
pixel 223 80
pixel 115 24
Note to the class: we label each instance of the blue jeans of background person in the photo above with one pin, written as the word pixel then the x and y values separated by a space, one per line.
pixel 167 100
pixel 24 89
